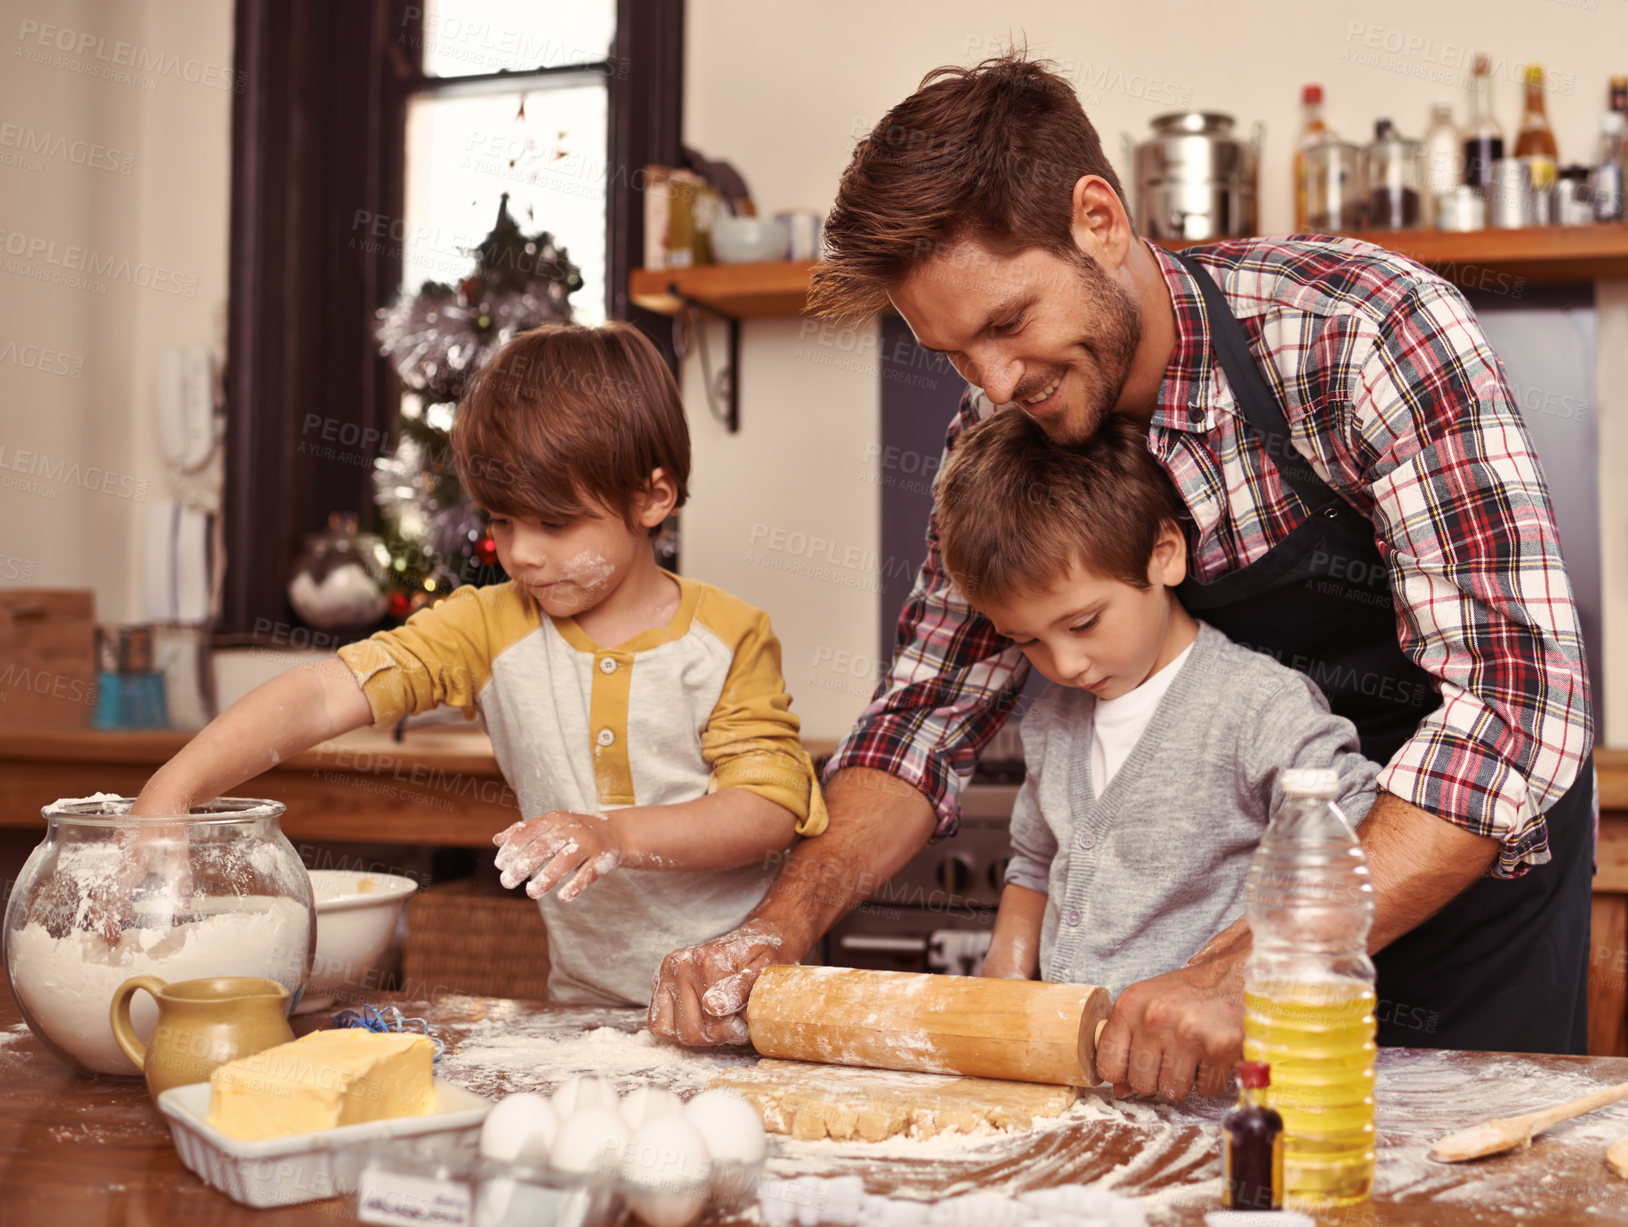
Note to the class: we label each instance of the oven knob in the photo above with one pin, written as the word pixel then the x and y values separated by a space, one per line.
pixel 954 874
pixel 997 872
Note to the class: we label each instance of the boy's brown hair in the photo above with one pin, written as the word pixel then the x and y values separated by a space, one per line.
pixel 565 417
pixel 990 152
pixel 1016 510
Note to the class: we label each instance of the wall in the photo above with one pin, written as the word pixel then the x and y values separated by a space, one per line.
pixel 115 127
pixel 784 91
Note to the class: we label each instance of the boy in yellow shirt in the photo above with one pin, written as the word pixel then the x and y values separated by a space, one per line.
pixel 640 716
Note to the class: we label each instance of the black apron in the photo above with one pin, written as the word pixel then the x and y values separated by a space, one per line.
pixel 1504 966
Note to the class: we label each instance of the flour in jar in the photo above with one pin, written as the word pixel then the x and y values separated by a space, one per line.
pixel 67 984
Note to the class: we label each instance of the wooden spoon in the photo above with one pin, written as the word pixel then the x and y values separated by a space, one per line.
pixel 1513 1131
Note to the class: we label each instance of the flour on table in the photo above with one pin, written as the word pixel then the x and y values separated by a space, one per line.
pixel 537 1052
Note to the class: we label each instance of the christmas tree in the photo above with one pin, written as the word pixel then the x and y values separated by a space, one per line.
pixel 437 339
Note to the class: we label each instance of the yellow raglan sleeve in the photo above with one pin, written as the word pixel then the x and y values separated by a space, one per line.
pixel 750 740
pixel 439 655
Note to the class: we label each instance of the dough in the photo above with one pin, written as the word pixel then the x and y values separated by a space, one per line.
pixel 810 1102
pixel 1616 1156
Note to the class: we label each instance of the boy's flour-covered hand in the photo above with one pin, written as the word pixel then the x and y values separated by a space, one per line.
pixel 546 849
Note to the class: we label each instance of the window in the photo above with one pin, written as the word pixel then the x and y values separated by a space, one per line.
pixel 513 99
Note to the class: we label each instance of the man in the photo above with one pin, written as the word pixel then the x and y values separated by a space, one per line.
pixel 1365 505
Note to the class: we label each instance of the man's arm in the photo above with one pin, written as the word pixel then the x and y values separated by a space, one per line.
pixel 1186 1027
pixel 948 689
pixel 877 823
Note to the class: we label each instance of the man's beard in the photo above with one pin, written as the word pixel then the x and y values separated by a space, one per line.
pixel 1113 343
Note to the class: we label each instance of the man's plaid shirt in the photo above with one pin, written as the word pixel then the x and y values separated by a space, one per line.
pixel 1391 391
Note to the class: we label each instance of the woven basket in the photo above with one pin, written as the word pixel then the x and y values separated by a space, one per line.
pixel 474 937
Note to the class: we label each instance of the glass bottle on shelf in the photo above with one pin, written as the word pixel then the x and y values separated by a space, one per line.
pixel 1391 172
pixel 1536 140
pixel 1483 138
pixel 1443 156
pixel 1619 95
pixel 1312 130
pixel 1605 181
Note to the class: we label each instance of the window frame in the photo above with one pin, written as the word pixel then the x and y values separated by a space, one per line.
pixel 318 179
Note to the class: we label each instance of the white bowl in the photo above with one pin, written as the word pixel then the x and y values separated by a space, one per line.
pixel 356 917
pixel 747 240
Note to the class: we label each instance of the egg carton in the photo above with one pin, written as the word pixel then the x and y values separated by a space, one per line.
pixel 841 1201
pixel 447 1181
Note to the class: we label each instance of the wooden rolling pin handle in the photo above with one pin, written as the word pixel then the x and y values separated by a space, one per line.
pixel 1093 1018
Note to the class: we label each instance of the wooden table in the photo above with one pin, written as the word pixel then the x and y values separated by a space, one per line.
pixel 78 1151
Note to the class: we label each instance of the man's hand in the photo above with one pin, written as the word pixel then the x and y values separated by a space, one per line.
pixel 878 822
pixel 546 849
pixel 1178 1032
pixel 699 996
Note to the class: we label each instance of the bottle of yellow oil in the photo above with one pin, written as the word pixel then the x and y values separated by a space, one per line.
pixel 1309 991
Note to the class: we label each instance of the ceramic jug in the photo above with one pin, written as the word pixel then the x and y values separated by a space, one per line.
pixel 202 1024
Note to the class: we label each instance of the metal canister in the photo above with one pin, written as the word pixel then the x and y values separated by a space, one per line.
pixel 1573 204
pixel 1463 208
pixel 1509 195
pixel 1195 178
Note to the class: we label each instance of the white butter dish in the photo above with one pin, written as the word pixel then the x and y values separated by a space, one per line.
pixel 298 1168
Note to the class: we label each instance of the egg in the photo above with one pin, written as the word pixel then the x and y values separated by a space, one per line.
pixel 520 1124
pixel 731 1126
pixel 583 1091
pixel 589 1142
pixel 734 1135
pixel 670 1171
pixel 644 1103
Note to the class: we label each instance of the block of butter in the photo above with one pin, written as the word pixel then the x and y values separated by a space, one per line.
pixel 323 1080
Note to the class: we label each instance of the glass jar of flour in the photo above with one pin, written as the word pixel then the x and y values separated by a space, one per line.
pixel 217 892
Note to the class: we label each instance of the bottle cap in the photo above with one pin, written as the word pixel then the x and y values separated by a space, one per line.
pixel 1382 129
pixel 1311 93
pixel 1253 1074
pixel 1534 74
pixel 1311 781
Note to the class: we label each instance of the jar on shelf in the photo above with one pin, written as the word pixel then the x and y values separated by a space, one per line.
pixel 1334 195
pixel 1392 172
pixel 339 579
pixel 218 891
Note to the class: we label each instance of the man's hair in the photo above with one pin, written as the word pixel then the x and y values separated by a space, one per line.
pixel 990 152
pixel 565 417
pixel 1016 511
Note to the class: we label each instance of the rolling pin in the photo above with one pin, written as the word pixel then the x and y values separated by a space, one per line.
pixel 1019 1030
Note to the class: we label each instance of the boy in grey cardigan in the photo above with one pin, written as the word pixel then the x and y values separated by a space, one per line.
pixel 1154 758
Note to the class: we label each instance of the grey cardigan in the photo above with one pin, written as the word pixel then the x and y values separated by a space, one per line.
pixel 1139 878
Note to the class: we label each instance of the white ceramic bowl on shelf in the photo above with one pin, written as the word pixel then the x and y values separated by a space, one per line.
pixel 748 240
pixel 356 918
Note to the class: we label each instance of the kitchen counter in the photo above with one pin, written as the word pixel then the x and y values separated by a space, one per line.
pixel 440 787
pixel 75 1150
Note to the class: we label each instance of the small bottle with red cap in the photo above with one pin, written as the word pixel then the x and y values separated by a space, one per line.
pixel 1252 1145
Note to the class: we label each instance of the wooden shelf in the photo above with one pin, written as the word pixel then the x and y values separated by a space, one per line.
pixel 743 291
pixel 1499 259
pixel 1496 260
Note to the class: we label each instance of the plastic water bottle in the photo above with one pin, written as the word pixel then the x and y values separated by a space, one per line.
pixel 1309 991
